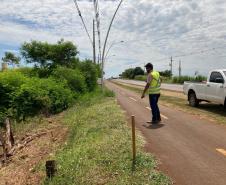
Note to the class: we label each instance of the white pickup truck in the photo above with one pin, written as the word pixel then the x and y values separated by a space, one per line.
pixel 214 90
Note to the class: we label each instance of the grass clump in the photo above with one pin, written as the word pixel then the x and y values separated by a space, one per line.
pixel 99 148
pixel 175 79
pixel 182 79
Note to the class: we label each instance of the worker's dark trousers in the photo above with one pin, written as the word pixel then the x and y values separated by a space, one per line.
pixel 154 98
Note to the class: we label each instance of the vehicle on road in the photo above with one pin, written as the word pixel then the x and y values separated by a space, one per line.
pixel 212 90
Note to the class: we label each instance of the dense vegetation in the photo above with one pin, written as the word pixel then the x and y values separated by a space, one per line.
pixel 175 79
pixel 55 81
pixel 132 72
pixel 138 74
pixel 182 79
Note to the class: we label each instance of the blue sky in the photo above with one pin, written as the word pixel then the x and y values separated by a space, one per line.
pixel 189 30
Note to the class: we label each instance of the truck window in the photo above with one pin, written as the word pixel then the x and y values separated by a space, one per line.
pixel 214 76
pixel 225 73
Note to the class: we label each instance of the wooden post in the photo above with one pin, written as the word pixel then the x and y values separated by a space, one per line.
pixel 9 134
pixel 133 138
pixel 2 140
pixel 50 168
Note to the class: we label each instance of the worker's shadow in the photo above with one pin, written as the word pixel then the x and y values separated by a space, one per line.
pixel 153 126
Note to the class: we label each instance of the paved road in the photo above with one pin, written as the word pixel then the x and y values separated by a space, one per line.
pixel 172 87
pixel 192 150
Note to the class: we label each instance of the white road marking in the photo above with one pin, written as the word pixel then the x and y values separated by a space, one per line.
pixel 132 99
pixel 222 151
pixel 164 116
pixel 161 114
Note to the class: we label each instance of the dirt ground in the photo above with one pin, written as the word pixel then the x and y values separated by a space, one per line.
pixel 23 168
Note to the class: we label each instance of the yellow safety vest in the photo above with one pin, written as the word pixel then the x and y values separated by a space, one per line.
pixel 155 83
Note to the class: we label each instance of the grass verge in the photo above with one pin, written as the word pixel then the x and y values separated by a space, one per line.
pixel 98 150
pixel 212 112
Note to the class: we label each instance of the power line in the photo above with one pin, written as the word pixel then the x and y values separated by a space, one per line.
pixel 83 22
pixel 199 52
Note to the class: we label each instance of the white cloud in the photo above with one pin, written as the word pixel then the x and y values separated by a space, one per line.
pixel 151 29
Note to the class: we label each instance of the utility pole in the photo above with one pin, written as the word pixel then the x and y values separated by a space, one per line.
pixel 105 43
pixel 97 17
pixel 179 69
pixel 144 68
pixel 171 65
pixel 94 43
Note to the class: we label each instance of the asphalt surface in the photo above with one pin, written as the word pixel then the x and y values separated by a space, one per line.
pixel 191 150
pixel 172 87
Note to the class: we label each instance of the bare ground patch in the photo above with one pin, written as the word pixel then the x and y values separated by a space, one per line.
pixel 21 169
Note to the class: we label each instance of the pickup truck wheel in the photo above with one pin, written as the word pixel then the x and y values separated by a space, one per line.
pixel 225 103
pixel 193 101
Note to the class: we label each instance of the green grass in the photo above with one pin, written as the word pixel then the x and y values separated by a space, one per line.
pixel 175 79
pixel 182 79
pixel 98 150
pixel 213 112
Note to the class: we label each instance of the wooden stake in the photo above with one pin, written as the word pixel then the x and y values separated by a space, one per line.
pixel 133 138
pixel 9 134
pixel 3 146
pixel 50 168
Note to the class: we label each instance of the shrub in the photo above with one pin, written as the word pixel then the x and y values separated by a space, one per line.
pixel 42 96
pixel 90 73
pixel 166 73
pixel 141 77
pixel 10 83
pixel 60 95
pixel 182 79
pixel 31 99
pixel 73 78
pixel 21 96
pixel 28 72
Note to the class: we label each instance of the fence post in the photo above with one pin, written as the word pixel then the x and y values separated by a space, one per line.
pixel 133 138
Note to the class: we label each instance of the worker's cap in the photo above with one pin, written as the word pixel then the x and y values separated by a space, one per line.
pixel 149 65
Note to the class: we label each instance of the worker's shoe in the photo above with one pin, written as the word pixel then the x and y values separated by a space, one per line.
pixel 153 122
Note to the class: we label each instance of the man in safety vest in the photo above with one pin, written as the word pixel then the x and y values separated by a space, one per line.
pixel 153 88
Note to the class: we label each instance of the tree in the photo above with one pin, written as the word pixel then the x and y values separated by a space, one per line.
pixel 166 73
pixel 132 72
pixel 46 55
pixel 128 73
pixel 11 59
pixel 138 71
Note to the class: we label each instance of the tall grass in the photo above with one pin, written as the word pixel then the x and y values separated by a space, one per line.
pixel 182 79
pixel 175 79
pixel 141 77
